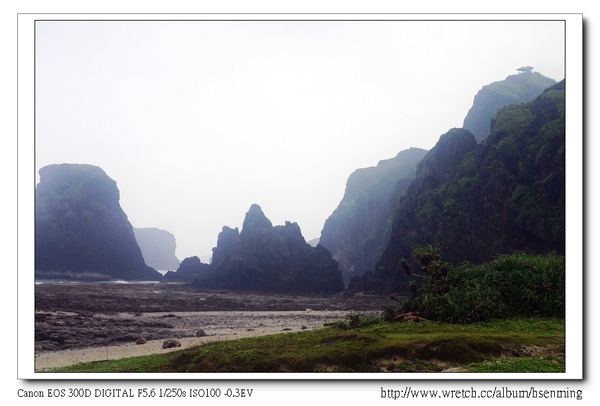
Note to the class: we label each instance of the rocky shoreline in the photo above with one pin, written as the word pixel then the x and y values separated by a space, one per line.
pixel 82 322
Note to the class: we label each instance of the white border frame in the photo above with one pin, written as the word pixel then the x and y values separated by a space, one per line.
pixel 574 194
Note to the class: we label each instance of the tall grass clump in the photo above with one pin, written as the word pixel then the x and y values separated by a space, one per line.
pixel 510 285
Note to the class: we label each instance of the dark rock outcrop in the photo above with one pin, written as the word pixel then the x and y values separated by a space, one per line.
pixel 190 269
pixel 81 231
pixel 226 242
pixel 171 344
pixel 263 257
pixel 475 201
pixel 158 247
pixel 358 230
pixel 515 89
pixel 440 165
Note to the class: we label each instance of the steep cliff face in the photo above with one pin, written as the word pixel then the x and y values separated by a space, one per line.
pixel 158 247
pixel 473 201
pixel 357 231
pixel 440 165
pixel 263 257
pixel 514 89
pixel 81 230
pixel 226 242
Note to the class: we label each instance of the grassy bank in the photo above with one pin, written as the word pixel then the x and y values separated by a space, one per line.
pixel 509 345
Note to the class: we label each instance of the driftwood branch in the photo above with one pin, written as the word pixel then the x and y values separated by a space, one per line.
pixel 407 269
pixel 409 317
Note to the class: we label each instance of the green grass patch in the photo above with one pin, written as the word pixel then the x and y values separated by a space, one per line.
pixel 376 347
pixel 517 365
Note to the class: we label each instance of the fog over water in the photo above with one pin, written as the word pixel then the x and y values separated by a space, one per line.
pixel 197 120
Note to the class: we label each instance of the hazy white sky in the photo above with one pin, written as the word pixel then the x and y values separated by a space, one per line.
pixel 197 120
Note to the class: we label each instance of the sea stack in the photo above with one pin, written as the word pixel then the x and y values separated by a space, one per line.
pixel 81 231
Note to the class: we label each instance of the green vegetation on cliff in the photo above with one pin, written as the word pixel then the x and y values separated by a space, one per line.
pixel 358 231
pixel 475 201
pixel 515 89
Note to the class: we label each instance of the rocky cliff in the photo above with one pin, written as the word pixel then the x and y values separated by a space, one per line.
pixel 358 230
pixel 81 230
pixel 474 201
pixel 514 89
pixel 263 257
pixel 158 247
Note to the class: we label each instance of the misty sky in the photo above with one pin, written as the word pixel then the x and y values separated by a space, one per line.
pixel 197 120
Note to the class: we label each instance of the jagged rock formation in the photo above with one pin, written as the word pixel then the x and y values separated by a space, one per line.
pixel 514 89
pixel 358 230
pixel 158 247
pixel 226 243
pixel 263 257
pixel 81 231
pixel 189 270
pixel 475 201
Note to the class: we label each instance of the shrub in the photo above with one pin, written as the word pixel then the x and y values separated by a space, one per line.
pixel 510 285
